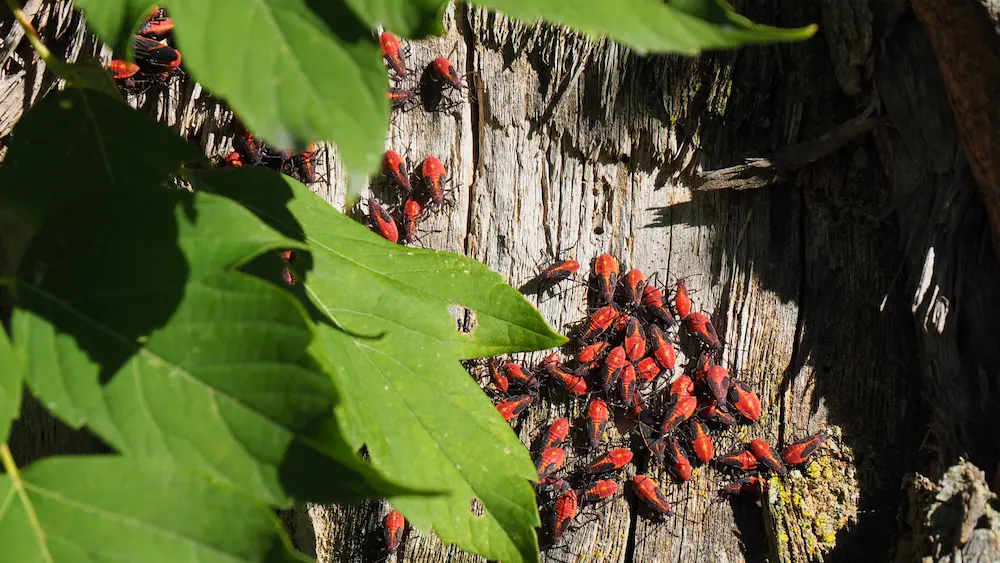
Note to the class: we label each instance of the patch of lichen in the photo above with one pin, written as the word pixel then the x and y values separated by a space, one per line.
pixel 808 507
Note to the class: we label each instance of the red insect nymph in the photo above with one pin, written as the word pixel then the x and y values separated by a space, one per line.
pixel 597 420
pixel 514 406
pixel 798 453
pixel 395 167
pixel 599 321
pixel 598 491
pixel 556 433
pixel 744 400
pixel 550 461
pixel 559 271
pixel 611 461
pixel 682 303
pixel 635 281
pixel 445 72
pixel 606 274
pixel 563 513
pixel 381 221
pixel 650 493
pixel 762 451
pixel 395 524
pixel 392 52
pixel 432 172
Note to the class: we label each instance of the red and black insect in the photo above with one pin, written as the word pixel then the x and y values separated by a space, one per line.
pixel 701 366
pixel 303 165
pixel 606 275
pixel 701 327
pixel 499 378
pixel 413 210
pixel 635 341
pixel 400 97
pixel 799 453
pixel 599 322
pixel 288 256
pixel 652 303
pixel 392 52
pixel 248 146
pixel 563 513
pixel 651 495
pixel 561 270
pixel 646 370
pixel 516 374
pixel 746 485
pixel 611 371
pixel 590 356
pixel 701 441
pixel 381 221
pixel 157 25
pixel 682 386
pixel 682 303
pixel 600 490
pixel 550 461
pixel 744 400
pixel 597 421
pixel 154 57
pixel 433 173
pixel 395 168
pixel 627 384
pixel 663 350
pixel 232 160
pixel 514 406
pixel 121 70
pixel 556 432
pixel 680 408
pixel 571 382
pixel 612 461
pixel 742 460
pixel 554 485
pixel 634 283
pixel 714 413
pixel 766 457
pixel 445 73
pixel 678 460
pixel 395 525
pixel 717 382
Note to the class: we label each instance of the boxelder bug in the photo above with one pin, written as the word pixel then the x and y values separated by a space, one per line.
pixel 682 303
pixel 561 270
pixel 652 303
pixel 682 386
pixel 590 356
pixel 395 168
pixel 556 432
pixel 514 406
pixel 701 327
pixel 155 57
pixel 717 382
pixel 606 273
pixel 712 412
pixel 602 489
pixel 611 461
pixel 611 371
pixel 762 451
pixel 798 453
pixel 745 485
pixel 399 97
pixel 678 460
pixel 627 383
pixel 392 52
pixel 657 447
pixel 550 461
pixel 157 25
pixel 432 172
pixel 650 493
pixel 381 221
pixel 680 408
pixel 742 460
pixel 663 350
pixel 701 366
pixel 635 341
pixel 498 377
pixel 232 160
pixel 701 442
pixel 122 69
pixel 445 73
pixel 599 321
pixel 647 370
pixel 744 400
pixel 563 513
pixel 570 381
pixel 597 421
pixel 395 524
pixel 635 281
pixel 412 212
pixel 515 373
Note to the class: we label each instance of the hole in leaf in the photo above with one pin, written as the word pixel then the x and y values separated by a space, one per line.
pixel 476 507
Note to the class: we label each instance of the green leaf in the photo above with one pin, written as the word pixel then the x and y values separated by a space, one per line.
pixel 76 144
pixel 115 21
pixel 383 318
pixel 11 377
pixel 134 321
pixel 408 18
pixel 111 508
pixel 648 25
pixel 294 71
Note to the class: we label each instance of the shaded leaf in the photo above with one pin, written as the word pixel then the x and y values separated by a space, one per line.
pixel 407 18
pixel 110 508
pixel 384 323
pixel 87 75
pixel 648 25
pixel 10 385
pixel 134 322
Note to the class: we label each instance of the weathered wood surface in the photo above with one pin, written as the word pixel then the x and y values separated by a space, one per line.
pixel 574 147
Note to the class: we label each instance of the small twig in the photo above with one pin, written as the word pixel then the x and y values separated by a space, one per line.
pixel 765 171
pixel 33 38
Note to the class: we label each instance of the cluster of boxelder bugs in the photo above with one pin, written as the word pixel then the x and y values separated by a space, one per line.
pixel 250 150
pixel 155 61
pixel 622 365
pixel 422 190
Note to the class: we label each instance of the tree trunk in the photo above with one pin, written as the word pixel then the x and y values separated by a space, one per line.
pixel 858 232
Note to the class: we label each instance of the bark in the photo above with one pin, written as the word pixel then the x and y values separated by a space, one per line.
pixel 855 291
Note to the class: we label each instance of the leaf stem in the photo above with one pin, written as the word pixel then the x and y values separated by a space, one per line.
pixel 33 38
pixel 10 467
